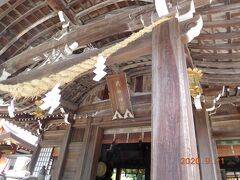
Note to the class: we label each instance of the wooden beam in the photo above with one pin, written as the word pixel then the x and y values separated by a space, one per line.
pixel 200 3
pixel 17 37
pixel 222 35
pixel 218 64
pixel 224 46
pixel 82 158
pixel 63 151
pixel 69 105
pixel 8 10
pixel 34 38
pixel 20 18
pixel 220 82
pixel 225 117
pixel 220 71
pixel 134 50
pixel 2 2
pixel 219 56
pixel 226 129
pixel 173 134
pixel 122 22
pixel 226 135
pixel 57 5
pixel 212 91
pixel 206 148
pixel 95 7
pixel 221 23
pixel 219 9
pixel 35 156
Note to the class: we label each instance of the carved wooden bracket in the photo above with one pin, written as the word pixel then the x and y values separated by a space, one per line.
pixel 190 24
pixel 191 28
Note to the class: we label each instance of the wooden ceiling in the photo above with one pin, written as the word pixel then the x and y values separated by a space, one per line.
pixel 27 28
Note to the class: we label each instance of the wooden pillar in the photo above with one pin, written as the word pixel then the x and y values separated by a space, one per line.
pixel 35 156
pixel 209 166
pixel 173 133
pixel 63 151
pixel 118 174
pixel 93 149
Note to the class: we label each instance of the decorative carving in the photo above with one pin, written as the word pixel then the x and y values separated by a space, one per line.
pixel 128 114
pixel 194 76
pixel 191 28
pixel 39 113
pixel 186 12
pixel 117 115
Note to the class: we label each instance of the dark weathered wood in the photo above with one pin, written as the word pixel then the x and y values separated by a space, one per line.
pixel 134 50
pixel 118 174
pixel 221 8
pixel 18 36
pixel 4 13
pixel 34 157
pixel 82 159
pixel 63 150
pixel 69 105
pixel 119 93
pixel 225 117
pixel 224 71
pixel 224 46
pixel 218 36
pixel 106 27
pixel 224 80
pixel 173 134
pixel 229 100
pixel 221 23
pixel 200 3
pixel 212 56
pixel 93 150
pixel 39 5
pixel 226 135
pixel 209 171
pixel 57 5
pixel 93 8
pixel 228 64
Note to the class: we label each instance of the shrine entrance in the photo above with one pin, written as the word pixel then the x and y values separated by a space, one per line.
pixel 125 162
pixel 125 155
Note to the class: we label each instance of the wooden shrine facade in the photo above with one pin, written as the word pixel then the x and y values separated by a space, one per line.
pixel 171 85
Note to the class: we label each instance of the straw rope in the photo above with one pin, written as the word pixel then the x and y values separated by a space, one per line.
pixel 37 87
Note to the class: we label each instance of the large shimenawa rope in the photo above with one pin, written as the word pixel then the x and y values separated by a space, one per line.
pixel 37 87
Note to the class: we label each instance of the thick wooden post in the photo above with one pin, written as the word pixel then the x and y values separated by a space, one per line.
pixel 63 151
pixel 35 157
pixel 173 133
pixel 93 149
pixel 209 166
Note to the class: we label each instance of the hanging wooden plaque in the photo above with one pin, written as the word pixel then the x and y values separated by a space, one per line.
pixel 119 93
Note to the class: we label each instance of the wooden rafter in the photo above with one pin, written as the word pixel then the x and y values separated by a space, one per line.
pixel 16 4
pixel 12 41
pixel 221 8
pixel 95 8
pixel 106 27
pixel 39 35
pixel 57 5
pixel 138 48
pixel 20 18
